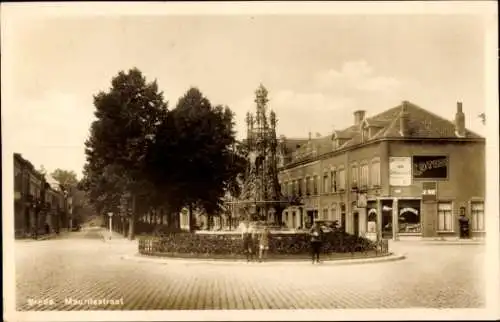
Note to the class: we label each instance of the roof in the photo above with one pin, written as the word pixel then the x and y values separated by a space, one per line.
pixel 292 144
pixel 27 165
pixel 425 124
pixel 422 124
pixel 54 184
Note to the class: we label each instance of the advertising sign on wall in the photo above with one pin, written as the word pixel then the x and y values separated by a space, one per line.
pixel 429 191
pixel 400 171
pixel 430 167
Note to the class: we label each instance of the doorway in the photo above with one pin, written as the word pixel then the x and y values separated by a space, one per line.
pixel 356 223
pixel 387 232
pixel 342 218
pixel 309 219
pixel 27 220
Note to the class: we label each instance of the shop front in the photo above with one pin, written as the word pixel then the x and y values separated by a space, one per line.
pixel 409 218
pixel 399 217
pixel 371 220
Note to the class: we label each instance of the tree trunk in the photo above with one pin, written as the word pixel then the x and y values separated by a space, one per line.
pixel 170 222
pixel 131 227
pixel 172 219
pixel 177 220
pixel 122 226
pixel 191 218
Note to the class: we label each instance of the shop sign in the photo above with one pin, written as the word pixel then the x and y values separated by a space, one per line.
pixel 412 210
pixel 429 191
pixel 400 171
pixel 371 227
pixel 361 202
pixel 430 166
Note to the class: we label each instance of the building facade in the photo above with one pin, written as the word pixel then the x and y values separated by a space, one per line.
pixel 37 205
pixel 405 172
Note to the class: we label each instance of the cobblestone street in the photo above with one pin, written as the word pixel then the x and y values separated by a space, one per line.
pixel 68 272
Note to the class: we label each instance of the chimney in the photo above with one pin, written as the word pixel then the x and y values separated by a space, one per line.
pixel 403 119
pixel 359 116
pixel 460 121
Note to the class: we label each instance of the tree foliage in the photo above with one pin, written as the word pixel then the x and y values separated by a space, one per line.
pixel 127 116
pixel 193 158
pixel 184 157
pixel 65 178
pixel 42 170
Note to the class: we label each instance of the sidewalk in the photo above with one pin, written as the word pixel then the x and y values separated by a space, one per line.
pixel 115 237
pixel 52 235
pixel 440 241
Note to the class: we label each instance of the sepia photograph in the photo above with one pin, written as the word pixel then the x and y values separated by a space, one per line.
pixel 250 161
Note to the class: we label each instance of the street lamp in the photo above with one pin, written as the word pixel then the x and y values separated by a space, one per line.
pixel 110 214
pixel 65 211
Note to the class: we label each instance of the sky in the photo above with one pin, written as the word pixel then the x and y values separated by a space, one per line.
pixel 318 69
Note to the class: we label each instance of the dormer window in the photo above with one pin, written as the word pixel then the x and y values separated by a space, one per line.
pixel 365 133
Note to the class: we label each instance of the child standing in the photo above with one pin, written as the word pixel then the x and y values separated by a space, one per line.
pixel 246 236
pixel 264 243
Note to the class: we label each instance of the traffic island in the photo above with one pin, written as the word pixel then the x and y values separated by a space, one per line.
pixel 337 246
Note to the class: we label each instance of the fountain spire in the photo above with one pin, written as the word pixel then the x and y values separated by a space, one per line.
pixel 261 191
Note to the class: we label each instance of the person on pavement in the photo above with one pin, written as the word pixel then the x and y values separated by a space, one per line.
pixel 246 236
pixel 264 243
pixel 315 235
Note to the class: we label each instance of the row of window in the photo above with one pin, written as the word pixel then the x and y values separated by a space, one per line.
pixel 334 181
pixel 445 216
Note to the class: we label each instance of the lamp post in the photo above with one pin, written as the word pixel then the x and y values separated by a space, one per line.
pixel 354 206
pixel 65 206
pixel 110 214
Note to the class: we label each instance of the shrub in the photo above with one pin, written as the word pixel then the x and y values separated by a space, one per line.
pixel 231 244
pixel 164 230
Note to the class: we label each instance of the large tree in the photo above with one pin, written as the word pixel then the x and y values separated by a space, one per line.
pixel 127 117
pixel 193 159
pixel 65 178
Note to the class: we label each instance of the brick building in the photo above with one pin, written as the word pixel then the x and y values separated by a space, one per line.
pixel 54 197
pixel 404 172
pixel 36 201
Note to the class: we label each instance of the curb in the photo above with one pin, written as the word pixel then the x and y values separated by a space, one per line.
pixel 454 243
pixel 439 242
pixel 173 260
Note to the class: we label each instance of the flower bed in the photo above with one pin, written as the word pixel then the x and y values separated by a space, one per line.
pixel 231 244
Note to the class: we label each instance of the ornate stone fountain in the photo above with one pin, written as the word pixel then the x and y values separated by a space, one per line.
pixel 261 197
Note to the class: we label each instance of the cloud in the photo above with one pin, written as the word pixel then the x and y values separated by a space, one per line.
pixel 328 101
pixel 355 76
pixel 298 112
pixel 50 129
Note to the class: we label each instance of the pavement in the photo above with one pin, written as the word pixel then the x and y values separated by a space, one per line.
pixel 52 235
pixel 83 271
